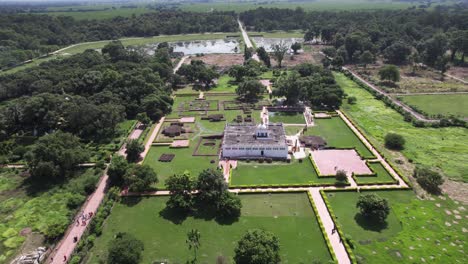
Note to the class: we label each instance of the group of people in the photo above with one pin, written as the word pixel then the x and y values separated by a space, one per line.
pixel 84 218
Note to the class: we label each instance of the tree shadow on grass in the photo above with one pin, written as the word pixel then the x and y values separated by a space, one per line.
pixel 175 216
pixel 370 224
pixel 131 201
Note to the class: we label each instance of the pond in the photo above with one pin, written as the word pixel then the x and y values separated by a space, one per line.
pixel 267 43
pixel 200 46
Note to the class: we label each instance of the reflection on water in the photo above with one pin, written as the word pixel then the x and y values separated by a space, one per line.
pixel 200 46
pixel 268 42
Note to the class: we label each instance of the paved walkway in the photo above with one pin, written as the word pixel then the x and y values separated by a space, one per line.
pixel 179 64
pixel 135 134
pixel 247 41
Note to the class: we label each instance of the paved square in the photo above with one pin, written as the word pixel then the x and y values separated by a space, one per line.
pixel 329 161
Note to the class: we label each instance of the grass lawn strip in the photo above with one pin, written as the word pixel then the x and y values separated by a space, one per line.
pixel 415 229
pixel 286 117
pixel 442 148
pixel 288 215
pixel 277 173
pixel 381 176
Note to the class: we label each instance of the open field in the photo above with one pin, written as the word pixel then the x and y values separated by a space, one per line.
pixel 443 148
pixel 254 173
pixel 42 210
pixel 277 34
pixel 289 216
pixel 439 104
pixel 416 231
pixel 333 5
pixel 337 134
pixel 422 81
pixel 98 12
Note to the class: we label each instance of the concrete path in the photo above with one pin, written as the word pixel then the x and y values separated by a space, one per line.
pixel 247 41
pixel 179 64
pixel 135 134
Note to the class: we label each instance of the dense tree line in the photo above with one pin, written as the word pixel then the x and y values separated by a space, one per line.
pixel 24 36
pixel 312 84
pixel 87 94
pixel 393 34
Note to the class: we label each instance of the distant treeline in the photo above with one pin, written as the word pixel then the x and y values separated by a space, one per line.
pixel 25 36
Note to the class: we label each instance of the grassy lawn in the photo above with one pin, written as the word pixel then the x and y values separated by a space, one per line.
pixel 254 173
pixel 338 135
pixel 441 104
pixel 442 148
pixel 42 210
pixel 415 229
pixel 289 216
pixel 97 11
pixel 382 175
pixel 278 34
pixel 286 117
pixel 292 130
pixel 183 161
pixel 224 85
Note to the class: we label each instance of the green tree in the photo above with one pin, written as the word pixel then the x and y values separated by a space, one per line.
pixel 193 242
pixel 180 187
pixel 125 249
pixel 428 179
pixel 263 55
pixel 434 48
pixel 397 53
pixel 296 46
pixel 366 58
pixel 257 247
pixel 337 62
pixel 442 65
pixel 341 176
pixel 389 72
pixel 143 118
pixel 117 170
pixel 55 155
pixel 309 35
pixel 249 90
pixel 248 53
pixel 229 205
pixel 139 178
pixel 394 141
pixel 133 149
pixel 211 186
pixel 238 72
pixel 290 87
pixel 352 100
pixel 279 50
pixel 373 207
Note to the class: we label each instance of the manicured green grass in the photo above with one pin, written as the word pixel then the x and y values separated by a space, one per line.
pixel 286 117
pixel 383 176
pixel 254 173
pixel 440 104
pixel 182 162
pixel 289 216
pixel 442 148
pixel 415 229
pixel 292 130
pixel 223 85
pixel 337 134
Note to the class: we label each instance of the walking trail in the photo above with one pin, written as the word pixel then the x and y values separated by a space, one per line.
pixel 247 41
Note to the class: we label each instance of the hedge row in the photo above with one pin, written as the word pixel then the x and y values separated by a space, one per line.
pixel 324 231
pixel 338 227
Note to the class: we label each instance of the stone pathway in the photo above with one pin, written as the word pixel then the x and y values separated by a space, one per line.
pixel 151 139
pixel 247 41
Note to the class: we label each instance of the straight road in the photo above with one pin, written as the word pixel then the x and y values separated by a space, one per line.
pixel 247 41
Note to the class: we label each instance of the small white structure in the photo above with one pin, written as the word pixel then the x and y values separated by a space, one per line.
pixel 242 141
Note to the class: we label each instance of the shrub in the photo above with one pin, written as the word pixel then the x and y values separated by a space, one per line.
pixel 373 207
pixel 125 249
pixel 394 141
pixel 341 176
pixel 352 100
pixel 429 180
